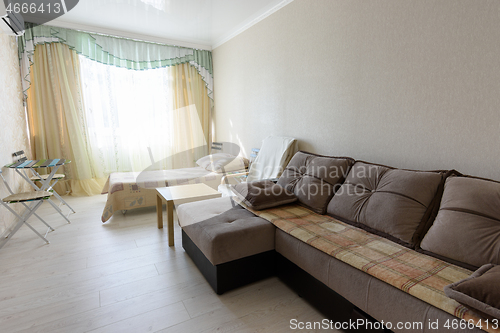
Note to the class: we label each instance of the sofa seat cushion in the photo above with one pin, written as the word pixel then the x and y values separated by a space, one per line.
pixel 263 194
pixel 194 212
pixel 467 226
pixel 411 272
pixel 314 178
pixel 375 297
pixel 234 234
pixel 392 203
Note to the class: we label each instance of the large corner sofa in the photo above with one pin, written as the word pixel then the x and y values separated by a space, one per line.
pixel 362 242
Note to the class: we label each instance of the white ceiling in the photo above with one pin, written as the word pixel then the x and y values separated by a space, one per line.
pixel 203 24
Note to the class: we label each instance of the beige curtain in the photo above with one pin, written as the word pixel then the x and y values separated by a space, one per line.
pixel 56 118
pixel 58 124
pixel 193 108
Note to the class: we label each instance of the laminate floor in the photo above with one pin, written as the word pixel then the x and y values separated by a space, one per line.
pixel 122 276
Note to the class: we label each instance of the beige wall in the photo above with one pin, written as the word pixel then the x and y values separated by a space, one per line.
pixel 13 136
pixel 413 84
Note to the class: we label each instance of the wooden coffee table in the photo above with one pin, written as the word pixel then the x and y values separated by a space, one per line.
pixel 179 195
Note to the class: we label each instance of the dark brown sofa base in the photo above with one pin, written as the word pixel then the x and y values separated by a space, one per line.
pixel 233 274
pixel 325 300
pixel 240 272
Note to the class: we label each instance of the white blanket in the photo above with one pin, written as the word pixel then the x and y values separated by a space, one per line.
pixel 273 157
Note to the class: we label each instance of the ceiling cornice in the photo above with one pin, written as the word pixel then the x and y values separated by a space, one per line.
pixel 250 23
pixel 125 34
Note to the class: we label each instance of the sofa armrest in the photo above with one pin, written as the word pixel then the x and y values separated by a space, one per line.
pixel 226 180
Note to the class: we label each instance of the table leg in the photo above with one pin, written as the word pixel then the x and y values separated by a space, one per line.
pixel 170 222
pixel 159 211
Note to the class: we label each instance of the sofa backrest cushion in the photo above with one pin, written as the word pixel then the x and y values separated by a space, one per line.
pixel 393 203
pixel 314 178
pixel 467 226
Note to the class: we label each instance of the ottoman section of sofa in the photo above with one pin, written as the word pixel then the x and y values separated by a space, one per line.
pixel 194 212
pixel 231 249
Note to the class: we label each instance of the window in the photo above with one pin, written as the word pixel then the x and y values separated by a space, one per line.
pixel 128 111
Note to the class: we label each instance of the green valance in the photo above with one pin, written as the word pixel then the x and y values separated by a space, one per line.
pixel 115 51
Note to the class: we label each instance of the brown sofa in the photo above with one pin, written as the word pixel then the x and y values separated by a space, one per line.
pixel 432 212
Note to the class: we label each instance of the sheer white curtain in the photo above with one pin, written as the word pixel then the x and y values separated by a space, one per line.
pixel 128 111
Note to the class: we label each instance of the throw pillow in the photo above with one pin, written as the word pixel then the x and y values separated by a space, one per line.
pixel 223 162
pixel 480 291
pixel 263 194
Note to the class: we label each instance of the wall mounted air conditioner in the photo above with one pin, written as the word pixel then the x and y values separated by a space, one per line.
pixel 10 23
